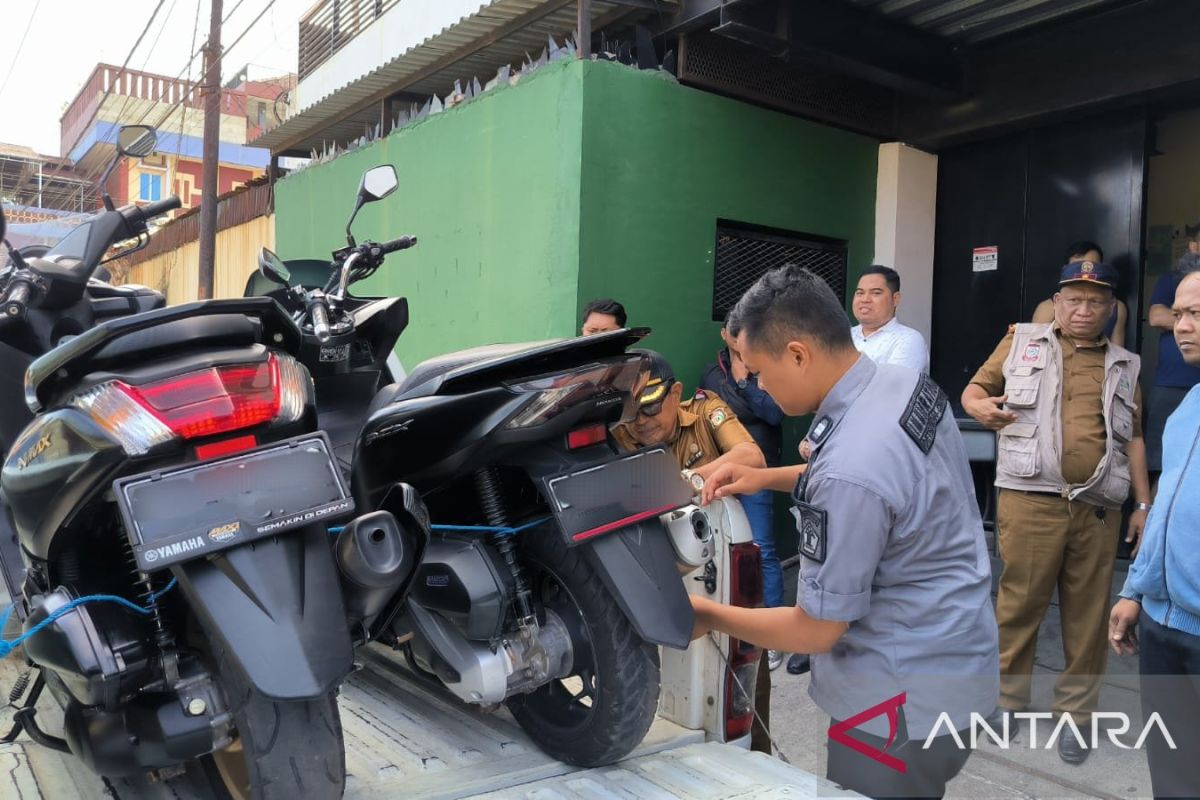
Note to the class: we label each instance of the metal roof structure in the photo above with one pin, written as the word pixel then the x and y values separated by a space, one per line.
pixel 505 32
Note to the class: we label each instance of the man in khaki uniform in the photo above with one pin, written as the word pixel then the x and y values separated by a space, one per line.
pixel 1067 405
pixel 703 433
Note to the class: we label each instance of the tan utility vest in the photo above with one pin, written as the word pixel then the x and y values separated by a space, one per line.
pixel 1029 451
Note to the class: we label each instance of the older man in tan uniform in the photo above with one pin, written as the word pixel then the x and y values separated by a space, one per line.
pixel 1067 405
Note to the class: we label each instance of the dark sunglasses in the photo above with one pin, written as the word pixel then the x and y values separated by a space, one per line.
pixel 655 408
pixel 651 410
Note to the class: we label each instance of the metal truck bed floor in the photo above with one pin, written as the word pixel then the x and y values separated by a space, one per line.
pixel 403 739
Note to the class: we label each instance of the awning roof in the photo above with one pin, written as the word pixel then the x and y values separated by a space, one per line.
pixel 503 33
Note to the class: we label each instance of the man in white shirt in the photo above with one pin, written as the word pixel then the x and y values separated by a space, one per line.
pixel 878 334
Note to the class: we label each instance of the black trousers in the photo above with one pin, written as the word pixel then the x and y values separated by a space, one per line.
pixel 1170 679
pixel 926 771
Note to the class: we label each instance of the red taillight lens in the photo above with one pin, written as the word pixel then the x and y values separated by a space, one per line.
pixel 745 562
pixel 586 437
pixel 746 589
pixel 202 403
pixel 226 447
pixel 213 401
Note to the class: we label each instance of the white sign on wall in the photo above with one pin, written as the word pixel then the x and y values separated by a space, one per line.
pixel 985 259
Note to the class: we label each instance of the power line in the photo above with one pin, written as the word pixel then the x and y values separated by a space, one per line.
pixel 146 61
pixel 17 55
pixel 261 14
pixel 121 72
pixel 225 53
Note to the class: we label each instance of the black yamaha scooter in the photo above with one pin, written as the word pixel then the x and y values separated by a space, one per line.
pixel 164 529
pixel 549 578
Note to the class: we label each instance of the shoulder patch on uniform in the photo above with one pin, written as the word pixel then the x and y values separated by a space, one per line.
pixel 925 410
pixel 812 523
pixel 717 417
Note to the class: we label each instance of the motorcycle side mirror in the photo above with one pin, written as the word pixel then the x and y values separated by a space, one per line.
pixel 132 140
pixel 136 140
pixel 376 184
pixel 273 268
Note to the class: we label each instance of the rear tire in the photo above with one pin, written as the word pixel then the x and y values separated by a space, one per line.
pixel 283 750
pixel 603 710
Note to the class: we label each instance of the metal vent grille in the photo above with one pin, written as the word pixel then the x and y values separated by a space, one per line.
pixel 744 253
pixel 721 65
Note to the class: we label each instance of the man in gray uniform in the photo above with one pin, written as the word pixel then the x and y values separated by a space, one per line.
pixel 894 598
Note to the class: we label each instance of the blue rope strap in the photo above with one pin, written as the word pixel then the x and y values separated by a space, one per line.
pixel 502 530
pixel 7 646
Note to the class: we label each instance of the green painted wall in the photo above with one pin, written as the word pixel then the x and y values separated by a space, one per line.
pixel 662 162
pixel 491 190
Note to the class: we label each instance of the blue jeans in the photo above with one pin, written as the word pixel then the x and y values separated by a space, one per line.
pixel 760 510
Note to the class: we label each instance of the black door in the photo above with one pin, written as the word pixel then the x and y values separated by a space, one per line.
pixel 1030 195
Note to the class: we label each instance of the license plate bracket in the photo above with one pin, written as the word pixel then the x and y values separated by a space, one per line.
pixel 595 500
pixel 194 510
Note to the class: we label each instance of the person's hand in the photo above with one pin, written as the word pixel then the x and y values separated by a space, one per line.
pixel 1137 525
pixel 1122 627
pixel 730 479
pixel 702 624
pixel 738 367
pixel 989 412
pixel 806 449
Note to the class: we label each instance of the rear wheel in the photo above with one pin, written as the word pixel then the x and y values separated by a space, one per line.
pixel 602 710
pixel 282 751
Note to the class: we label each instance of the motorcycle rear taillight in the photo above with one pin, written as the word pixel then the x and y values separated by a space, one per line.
pixel 198 404
pixel 746 589
pixel 553 394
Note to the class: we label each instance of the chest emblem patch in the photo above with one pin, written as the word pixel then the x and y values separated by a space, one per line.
pixel 1033 352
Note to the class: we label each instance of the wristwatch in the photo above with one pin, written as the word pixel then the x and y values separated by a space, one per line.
pixel 1142 506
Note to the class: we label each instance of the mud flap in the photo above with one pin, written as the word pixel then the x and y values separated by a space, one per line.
pixel 637 565
pixel 276 606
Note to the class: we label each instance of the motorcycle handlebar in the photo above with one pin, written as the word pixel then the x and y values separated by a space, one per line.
pixel 319 314
pixel 17 302
pixel 401 243
pixel 159 207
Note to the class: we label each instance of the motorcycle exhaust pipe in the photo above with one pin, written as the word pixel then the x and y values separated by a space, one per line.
pixel 375 557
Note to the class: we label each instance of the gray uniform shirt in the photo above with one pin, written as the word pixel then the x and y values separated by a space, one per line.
pixel 892 543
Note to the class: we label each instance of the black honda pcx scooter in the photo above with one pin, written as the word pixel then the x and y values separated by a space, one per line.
pixel 164 529
pixel 549 578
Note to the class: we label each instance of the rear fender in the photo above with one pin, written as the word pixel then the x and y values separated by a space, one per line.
pixel 637 566
pixel 275 606
pixel 636 563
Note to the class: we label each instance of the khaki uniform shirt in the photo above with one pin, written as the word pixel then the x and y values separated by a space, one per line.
pixel 1083 431
pixel 707 430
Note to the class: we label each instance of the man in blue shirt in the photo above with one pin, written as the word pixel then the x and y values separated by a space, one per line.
pixel 1161 596
pixel 1173 377
pixel 729 379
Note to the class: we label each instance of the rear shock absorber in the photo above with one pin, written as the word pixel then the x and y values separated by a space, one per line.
pixel 162 637
pixel 488 482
